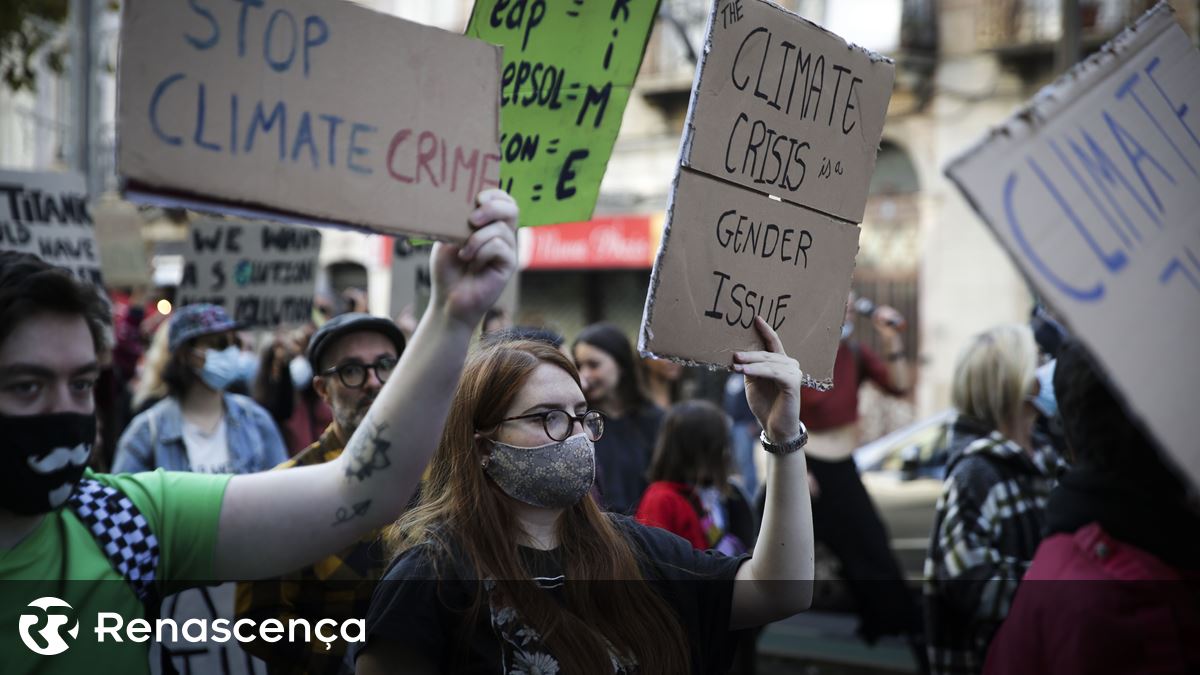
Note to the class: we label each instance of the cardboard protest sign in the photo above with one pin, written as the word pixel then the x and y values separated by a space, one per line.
pixel 568 71
pixel 776 160
pixel 306 110
pixel 122 247
pixel 1094 190
pixel 729 255
pixel 411 280
pixel 47 214
pixel 263 274
pixel 785 107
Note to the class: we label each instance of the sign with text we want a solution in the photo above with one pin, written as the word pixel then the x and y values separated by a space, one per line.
pixel 1094 190
pixel 306 110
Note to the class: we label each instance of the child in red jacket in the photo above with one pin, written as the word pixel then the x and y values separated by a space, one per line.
pixel 689 492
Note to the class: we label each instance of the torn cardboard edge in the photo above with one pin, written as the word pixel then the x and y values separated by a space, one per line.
pixel 873 56
pixel 1053 97
pixel 167 199
pixel 689 128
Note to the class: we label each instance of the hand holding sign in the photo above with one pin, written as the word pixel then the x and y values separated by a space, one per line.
pixel 772 385
pixel 469 278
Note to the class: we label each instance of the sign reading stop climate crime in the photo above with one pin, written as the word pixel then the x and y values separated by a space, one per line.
pixel 309 110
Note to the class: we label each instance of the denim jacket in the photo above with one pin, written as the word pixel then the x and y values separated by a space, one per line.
pixel 154 439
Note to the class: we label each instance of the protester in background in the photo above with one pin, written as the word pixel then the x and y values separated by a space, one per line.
pixel 990 516
pixel 689 492
pixel 662 380
pixel 200 426
pixel 354 354
pixel 56 518
pixel 611 382
pixel 1119 515
pixel 285 388
pixel 844 517
pixel 496 319
pixel 354 301
pixel 502 566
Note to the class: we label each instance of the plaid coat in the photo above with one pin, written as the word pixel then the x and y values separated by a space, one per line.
pixel 989 522
pixel 338 587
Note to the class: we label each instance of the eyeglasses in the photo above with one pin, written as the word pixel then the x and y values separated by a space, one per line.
pixel 559 423
pixel 354 375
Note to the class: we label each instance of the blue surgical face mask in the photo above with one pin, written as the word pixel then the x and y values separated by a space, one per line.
pixel 221 368
pixel 301 372
pixel 1045 401
pixel 247 367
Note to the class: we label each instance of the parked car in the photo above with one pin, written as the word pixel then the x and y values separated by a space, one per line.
pixel 903 473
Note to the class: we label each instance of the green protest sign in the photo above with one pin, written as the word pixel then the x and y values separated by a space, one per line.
pixel 569 66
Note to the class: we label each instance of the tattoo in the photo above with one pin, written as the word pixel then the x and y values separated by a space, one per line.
pixel 347 514
pixel 372 457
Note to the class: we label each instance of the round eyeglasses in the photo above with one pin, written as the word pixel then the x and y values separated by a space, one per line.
pixel 354 375
pixel 559 423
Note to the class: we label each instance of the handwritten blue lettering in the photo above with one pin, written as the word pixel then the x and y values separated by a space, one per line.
pixel 1084 295
pixel 200 108
pixel 356 149
pixel 316 33
pixel 1137 157
pixel 1181 110
pixel 154 98
pixel 246 5
pixel 209 42
pixel 278 114
pixel 1128 88
pixel 280 66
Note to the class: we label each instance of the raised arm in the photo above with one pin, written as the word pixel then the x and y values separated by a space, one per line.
pixel 777 581
pixel 277 521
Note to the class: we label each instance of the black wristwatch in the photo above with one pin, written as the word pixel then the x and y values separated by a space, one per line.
pixel 895 356
pixel 784 448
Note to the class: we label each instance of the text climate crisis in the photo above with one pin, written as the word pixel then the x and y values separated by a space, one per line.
pixel 798 83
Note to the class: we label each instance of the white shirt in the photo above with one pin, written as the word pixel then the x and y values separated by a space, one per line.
pixel 207 452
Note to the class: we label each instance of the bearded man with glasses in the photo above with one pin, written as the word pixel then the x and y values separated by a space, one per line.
pixel 353 355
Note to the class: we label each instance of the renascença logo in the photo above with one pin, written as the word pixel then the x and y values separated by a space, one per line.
pixel 48 639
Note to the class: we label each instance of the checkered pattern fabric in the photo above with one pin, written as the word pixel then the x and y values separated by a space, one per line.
pixel 122 533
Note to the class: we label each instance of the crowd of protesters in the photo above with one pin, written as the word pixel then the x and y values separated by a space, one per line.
pixel 532 505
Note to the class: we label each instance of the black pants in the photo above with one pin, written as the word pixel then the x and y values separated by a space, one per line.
pixel 845 520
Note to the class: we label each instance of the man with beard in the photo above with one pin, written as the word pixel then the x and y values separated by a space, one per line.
pixel 352 355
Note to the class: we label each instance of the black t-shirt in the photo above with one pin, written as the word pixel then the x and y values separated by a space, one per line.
pixel 623 456
pixel 420 605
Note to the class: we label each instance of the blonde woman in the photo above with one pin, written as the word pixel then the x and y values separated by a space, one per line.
pixel 990 516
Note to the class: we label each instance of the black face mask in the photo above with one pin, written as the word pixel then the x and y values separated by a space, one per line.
pixel 42 458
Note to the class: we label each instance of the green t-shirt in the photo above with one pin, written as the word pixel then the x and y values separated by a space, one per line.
pixel 182 510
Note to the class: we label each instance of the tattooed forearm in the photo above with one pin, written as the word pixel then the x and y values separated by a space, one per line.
pixel 346 514
pixel 370 456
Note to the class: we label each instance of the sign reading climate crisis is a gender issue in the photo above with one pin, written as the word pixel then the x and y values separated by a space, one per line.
pixel 777 157
pixel 569 66
pixel 47 214
pixel 787 108
pixel 263 274
pixel 1094 190
pixel 307 109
